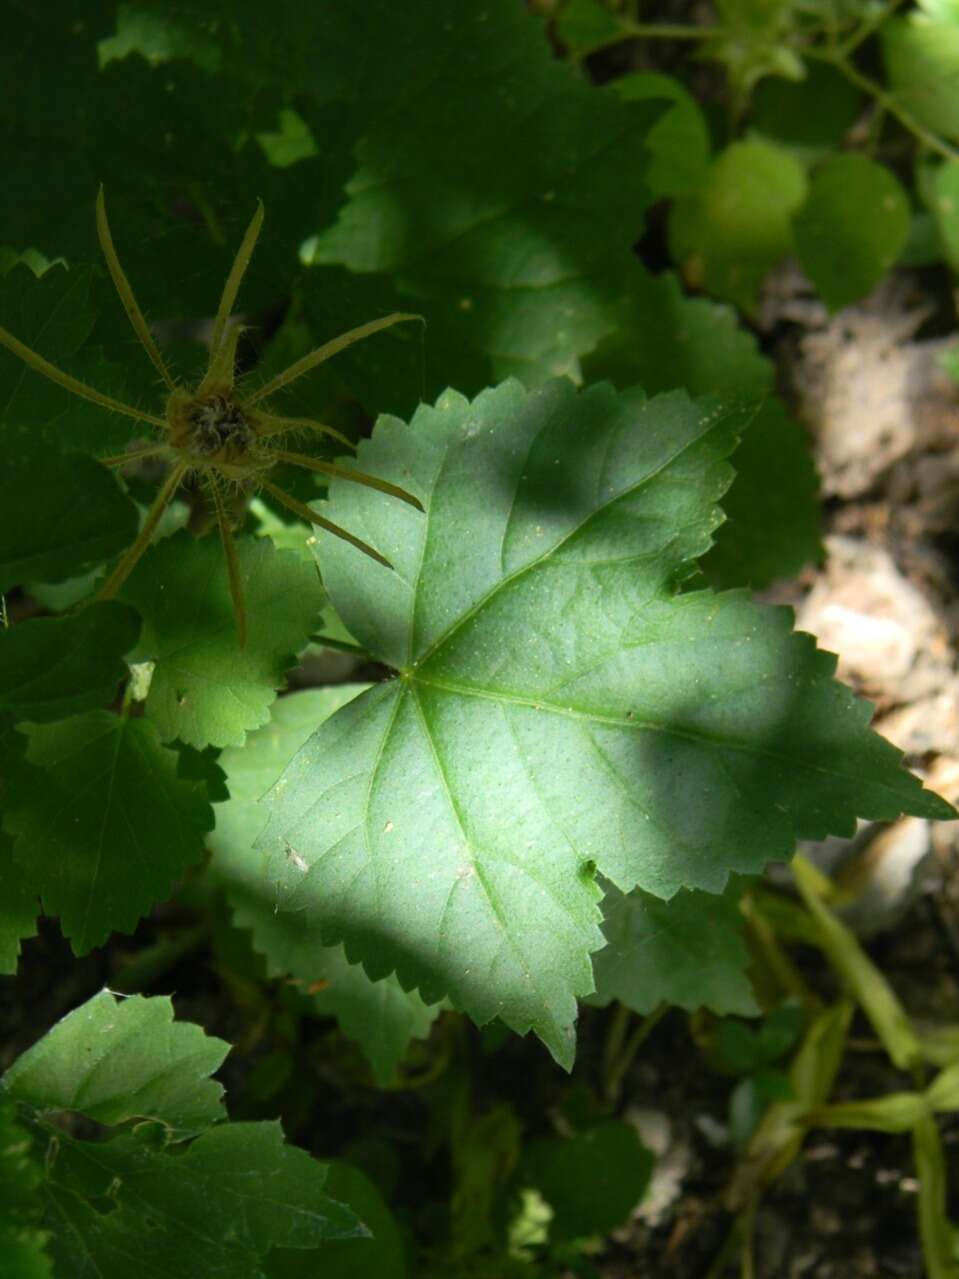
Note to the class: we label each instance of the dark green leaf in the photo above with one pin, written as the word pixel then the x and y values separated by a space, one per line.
pixel 104 826
pixel 59 517
pixel 22 1243
pixel 687 951
pixel 813 112
pixel 380 1256
pixel 19 906
pixel 54 667
pixel 206 689
pixel 678 144
pixel 851 228
pixel 772 517
pixel 592 1180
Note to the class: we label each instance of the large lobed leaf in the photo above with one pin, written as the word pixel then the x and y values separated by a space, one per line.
pixel 380 1015
pixel 561 708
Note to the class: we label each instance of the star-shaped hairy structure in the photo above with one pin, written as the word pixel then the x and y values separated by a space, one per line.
pixel 223 437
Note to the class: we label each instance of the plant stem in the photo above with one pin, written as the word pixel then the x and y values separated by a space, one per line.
pixel 867 29
pixel 619 1056
pixel 885 100
pixel 341 646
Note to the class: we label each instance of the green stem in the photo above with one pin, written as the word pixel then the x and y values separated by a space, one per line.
pixel 619 1056
pixel 341 646
pixel 885 100
pixel 629 30
pixel 867 29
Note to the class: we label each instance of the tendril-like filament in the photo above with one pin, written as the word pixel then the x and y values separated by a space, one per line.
pixel 212 432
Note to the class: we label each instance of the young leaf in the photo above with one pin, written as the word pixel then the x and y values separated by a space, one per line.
pixel 945 203
pixel 103 825
pixel 52 667
pixel 851 227
pixel 206 688
pixel 727 234
pixel 921 52
pixel 561 709
pixel 688 951
pixel 114 1059
pixel 380 1015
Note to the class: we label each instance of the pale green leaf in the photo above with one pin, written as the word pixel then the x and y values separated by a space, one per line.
pixel 946 209
pixel 206 688
pixel 921 52
pixel 728 233
pixel 379 1015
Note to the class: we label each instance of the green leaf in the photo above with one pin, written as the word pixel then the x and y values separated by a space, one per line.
pixel 921 53
pixel 506 229
pixel 772 524
pixel 851 228
pixel 381 1016
pixel 729 233
pixel 56 315
pixel 382 1254
pixel 54 667
pixel 22 1244
pixel 551 671
pixel 146 1199
pixel 60 516
pixel 592 1180
pixel 19 906
pixel 584 25
pixel 663 340
pixel 678 144
pixel 688 951
pixel 946 208
pixel 120 1058
pixel 103 825
pixel 217 1208
pixel 206 689
pixel 813 113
